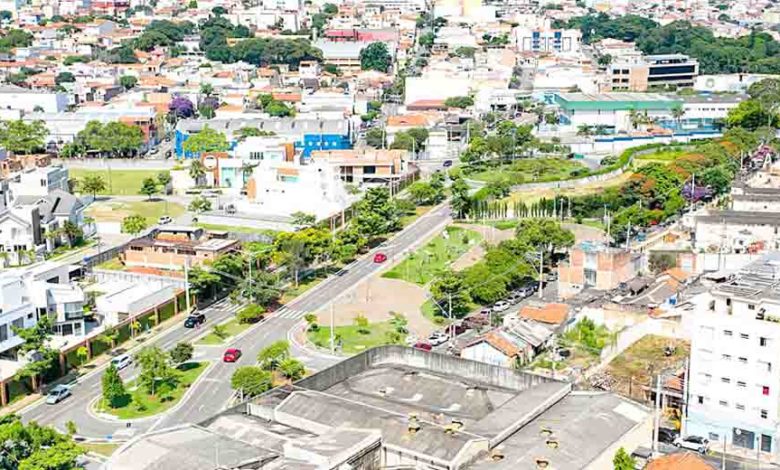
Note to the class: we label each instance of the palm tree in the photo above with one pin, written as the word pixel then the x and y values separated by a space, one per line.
pixel 634 118
pixel 677 113
pixel 197 171
pixel 4 256
pixel 584 130
pixel 207 89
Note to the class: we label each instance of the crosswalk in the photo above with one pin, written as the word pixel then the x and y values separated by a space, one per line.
pixel 286 312
pixel 223 305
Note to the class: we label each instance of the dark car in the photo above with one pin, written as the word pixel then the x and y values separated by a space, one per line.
pixel 447 163
pixel 666 435
pixel 194 320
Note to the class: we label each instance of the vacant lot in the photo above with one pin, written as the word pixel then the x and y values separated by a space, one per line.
pixel 528 170
pixel 351 340
pixel 115 211
pixel 118 182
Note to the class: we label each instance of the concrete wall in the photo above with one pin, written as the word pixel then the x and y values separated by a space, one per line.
pixel 105 275
pixel 389 355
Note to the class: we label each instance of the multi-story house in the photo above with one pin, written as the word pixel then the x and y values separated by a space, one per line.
pixel 16 310
pixel 734 377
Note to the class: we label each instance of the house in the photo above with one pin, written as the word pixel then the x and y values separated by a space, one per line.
pixel 552 314
pixel 367 165
pixel 679 461
pixel 499 348
pixel 174 248
pixel 16 310
pixel 597 266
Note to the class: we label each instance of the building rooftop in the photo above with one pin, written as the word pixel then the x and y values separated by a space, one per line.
pixel 615 101
pixel 740 217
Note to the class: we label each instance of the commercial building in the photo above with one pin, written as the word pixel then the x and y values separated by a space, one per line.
pixel 613 110
pixel 397 407
pixel 734 376
pixel 548 40
pixel 749 199
pixel 733 231
pixel 640 74
pixel 596 266
pixel 22 99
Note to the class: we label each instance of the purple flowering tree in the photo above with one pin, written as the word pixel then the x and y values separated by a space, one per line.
pixel 181 107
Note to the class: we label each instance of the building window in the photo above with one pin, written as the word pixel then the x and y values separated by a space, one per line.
pixel 751 307
pixel 744 336
pixel 763 341
pixel 725 380
pixel 700 399
pixel 740 407
pixel 728 333
pixel 743 360
pixel 741 384
pixel 723 403
pixel 726 357
pixel 714 436
pixel 764 390
pixel 764 414
pixel 3 332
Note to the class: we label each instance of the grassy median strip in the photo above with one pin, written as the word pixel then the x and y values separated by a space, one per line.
pixel 422 265
pixel 227 330
pixel 352 338
pixel 139 404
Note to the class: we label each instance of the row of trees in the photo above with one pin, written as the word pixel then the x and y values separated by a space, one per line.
pixel 114 139
pixel 503 267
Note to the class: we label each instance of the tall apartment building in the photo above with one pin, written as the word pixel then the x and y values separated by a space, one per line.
pixel 548 40
pixel 652 71
pixel 734 376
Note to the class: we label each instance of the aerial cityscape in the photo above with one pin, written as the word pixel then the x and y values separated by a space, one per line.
pixel 389 234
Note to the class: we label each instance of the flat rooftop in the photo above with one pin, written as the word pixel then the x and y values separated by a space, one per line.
pixel 740 217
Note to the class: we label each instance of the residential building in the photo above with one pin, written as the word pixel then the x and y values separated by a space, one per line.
pixel 733 231
pixel 16 310
pixel 366 166
pixel 734 375
pixel 550 315
pixel 23 99
pixel 172 248
pixel 596 266
pixel 548 40
pixel 498 348
pixel 39 181
pixel 749 199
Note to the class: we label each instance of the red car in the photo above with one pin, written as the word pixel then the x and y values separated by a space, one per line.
pixel 231 355
pixel 380 258
pixel 423 346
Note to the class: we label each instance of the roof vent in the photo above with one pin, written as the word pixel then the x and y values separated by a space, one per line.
pixel 414 425
pixel 542 463
pixel 552 443
pixel 496 455
pixel 546 432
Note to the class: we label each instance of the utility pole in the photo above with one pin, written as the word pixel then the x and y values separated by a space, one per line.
pixel 251 291
pixel 332 337
pixel 656 412
pixel 187 283
pixel 541 272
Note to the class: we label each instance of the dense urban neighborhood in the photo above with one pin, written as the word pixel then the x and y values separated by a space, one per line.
pixel 389 234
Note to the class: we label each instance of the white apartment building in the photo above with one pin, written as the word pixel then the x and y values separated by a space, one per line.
pixel 548 40
pixel 16 310
pixel 734 376
pixel 22 99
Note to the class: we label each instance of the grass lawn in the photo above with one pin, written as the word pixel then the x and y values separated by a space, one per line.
pixel 115 211
pixel 102 448
pixel 530 197
pixel 352 341
pixel 112 265
pixel 65 250
pixel 120 182
pixel 232 328
pixel 422 265
pixel 139 405
pixel 435 314
pixel 662 156
pixel 528 170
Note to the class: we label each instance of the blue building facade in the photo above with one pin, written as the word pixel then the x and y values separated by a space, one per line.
pixel 306 144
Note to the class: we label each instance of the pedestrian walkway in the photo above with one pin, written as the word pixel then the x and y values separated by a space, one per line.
pixel 292 314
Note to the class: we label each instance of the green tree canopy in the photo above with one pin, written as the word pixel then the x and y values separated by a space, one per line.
pixel 375 56
pixel 251 380
pixel 22 137
pixel 207 140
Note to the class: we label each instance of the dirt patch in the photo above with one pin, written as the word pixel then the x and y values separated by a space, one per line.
pixel 490 235
pixel 376 299
pixel 584 232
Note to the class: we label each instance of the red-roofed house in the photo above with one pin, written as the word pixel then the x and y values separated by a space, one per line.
pixel 550 314
pixel 499 348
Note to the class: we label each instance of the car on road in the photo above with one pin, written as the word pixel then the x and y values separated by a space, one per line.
pixel 699 444
pixel 666 435
pixel 231 355
pixel 501 306
pixel 380 258
pixel 437 337
pixel 164 220
pixel 194 320
pixel 57 394
pixel 447 163
pixel 515 297
pixel 423 346
pixel 120 362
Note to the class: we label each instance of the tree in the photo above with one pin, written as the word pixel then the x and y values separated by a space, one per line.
pixel 199 205
pixel 60 456
pixel 623 461
pixel 302 219
pixel 64 77
pixel 751 115
pixel 92 184
pixel 271 356
pixel 543 234
pixel 197 171
pixel 362 325
pixel 461 200
pixel 163 179
pixel 292 369
pixel 767 93
pixel 330 9
pixel 149 187
pixel 181 353
pixel 181 108
pixel 134 224
pixel 207 140
pixel 251 380
pixel 377 213
pixel 21 137
pixel 660 262
pixel 449 290
pixel 155 368
pixel 251 313
pixel 128 81
pixel 114 392
pixel 677 113
pixel 459 102
pixel 376 137
pixel 82 354
pixel 375 56
pixel 399 322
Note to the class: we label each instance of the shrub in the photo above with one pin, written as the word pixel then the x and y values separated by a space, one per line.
pixel 252 313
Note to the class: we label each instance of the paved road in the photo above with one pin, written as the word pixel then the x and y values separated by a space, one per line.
pixel 212 393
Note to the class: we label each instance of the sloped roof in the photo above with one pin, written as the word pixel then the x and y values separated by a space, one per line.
pixel 553 313
pixel 681 461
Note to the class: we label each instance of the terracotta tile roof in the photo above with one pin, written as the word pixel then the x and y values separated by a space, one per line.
pixel 681 461
pixel 408 120
pixel 554 314
pixel 678 274
pixel 287 171
pixel 291 97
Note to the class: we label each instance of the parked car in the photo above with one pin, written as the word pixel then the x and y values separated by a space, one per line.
pixel 447 163
pixel 380 258
pixel 166 219
pixel 57 394
pixel 515 297
pixel 699 444
pixel 437 337
pixel 120 362
pixel 423 346
pixel 501 306
pixel 196 319
pixel 666 435
pixel 231 355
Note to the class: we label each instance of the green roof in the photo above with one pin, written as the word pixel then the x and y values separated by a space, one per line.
pixel 614 101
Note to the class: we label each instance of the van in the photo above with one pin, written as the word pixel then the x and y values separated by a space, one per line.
pixel 120 362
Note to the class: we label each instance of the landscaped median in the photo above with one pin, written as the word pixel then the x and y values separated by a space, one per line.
pixel 138 401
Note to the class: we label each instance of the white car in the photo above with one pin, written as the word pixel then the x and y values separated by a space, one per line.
pixel 436 338
pixel 696 443
pixel 120 362
pixel 501 306
pixel 164 220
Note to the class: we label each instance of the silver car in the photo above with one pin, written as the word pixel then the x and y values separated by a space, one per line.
pixel 57 394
